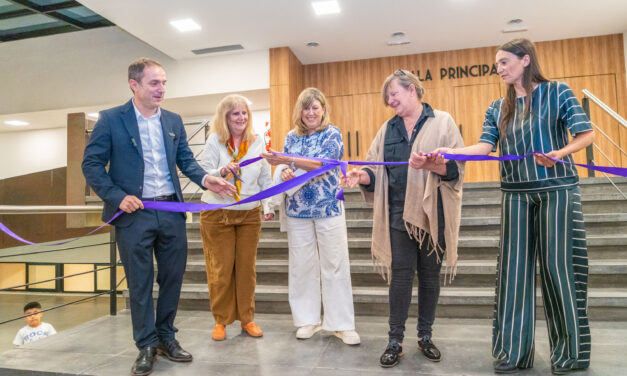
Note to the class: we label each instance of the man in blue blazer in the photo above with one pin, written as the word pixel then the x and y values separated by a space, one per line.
pixel 143 145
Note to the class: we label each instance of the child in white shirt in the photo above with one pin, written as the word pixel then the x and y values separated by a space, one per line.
pixel 35 330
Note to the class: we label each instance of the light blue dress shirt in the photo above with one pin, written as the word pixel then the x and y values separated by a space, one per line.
pixel 157 179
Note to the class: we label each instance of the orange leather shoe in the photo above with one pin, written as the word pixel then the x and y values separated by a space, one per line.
pixel 252 329
pixel 219 333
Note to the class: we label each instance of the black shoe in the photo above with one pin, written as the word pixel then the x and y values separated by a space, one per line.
pixel 562 370
pixel 145 361
pixel 428 349
pixel 392 354
pixel 504 366
pixel 173 351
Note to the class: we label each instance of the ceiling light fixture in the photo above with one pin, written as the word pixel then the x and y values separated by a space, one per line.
pixel 515 29
pixel 185 25
pixel 312 44
pixel 325 7
pixel 514 21
pixel 17 123
pixel 398 38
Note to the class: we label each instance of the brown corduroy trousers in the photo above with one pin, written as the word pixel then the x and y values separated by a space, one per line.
pixel 230 240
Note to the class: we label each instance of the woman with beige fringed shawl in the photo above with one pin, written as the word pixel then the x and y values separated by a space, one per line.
pixel 416 210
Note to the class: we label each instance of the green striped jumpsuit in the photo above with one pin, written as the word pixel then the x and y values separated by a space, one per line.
pixel 541 218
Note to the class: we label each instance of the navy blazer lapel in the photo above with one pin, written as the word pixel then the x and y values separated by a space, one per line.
pixel 168 137
pixel 129 118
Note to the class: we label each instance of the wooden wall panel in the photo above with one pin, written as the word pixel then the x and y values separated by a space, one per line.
pixel 551 58
pixel 592 55
pixel 592 59
pixel 441 99
pixel 470 107
pixel 40 188
pixel 369 74
pixel 286 83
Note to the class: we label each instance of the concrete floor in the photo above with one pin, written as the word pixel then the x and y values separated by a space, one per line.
pixel 104 347
pixel 12 305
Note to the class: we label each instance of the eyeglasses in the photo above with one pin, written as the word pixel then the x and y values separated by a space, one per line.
pixel 400 72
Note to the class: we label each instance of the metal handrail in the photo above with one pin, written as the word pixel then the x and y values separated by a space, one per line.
pixel 64 209
pixel 608 138
pixel 49 209
pixel 586 105
pixel 605 108
pixel 194 133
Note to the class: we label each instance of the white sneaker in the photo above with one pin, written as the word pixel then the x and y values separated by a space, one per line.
pixel 349 337
pixel 307 331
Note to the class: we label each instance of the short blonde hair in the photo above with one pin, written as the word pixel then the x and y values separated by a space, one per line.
pixel 224 109
pixel 405 78
pixel 305 100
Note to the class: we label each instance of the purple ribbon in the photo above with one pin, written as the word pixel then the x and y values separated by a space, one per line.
pixel 7 231
pixel 328 164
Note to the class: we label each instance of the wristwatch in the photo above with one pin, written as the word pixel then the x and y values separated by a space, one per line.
pixel 292 166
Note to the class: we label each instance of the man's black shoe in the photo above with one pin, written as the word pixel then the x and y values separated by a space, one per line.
pixel 504 366
pixel 392 354
pixel 145 361
pixel 173 351
pixel 428 349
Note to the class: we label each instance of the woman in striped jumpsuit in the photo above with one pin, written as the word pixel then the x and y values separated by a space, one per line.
pixel 541 214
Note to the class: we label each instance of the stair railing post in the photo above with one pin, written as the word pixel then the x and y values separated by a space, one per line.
pixel 585 103
pixel 113 295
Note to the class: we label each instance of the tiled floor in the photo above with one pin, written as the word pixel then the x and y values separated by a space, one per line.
pixel 104 347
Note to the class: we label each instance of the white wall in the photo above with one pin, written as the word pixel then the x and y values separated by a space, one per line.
pixel 27 152
pixel 90 67
pixel 24 153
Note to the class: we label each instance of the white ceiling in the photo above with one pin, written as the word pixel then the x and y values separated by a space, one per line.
pixel 359 31
pixel 363 26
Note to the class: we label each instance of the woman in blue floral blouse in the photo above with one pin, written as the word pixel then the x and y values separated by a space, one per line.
pixel 319 269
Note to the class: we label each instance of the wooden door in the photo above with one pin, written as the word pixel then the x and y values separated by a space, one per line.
pixel 340 110
pixel 471 102
pixel 604 88
pixel 369 113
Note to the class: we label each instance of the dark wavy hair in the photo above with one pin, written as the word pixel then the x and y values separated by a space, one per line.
pixel 532 74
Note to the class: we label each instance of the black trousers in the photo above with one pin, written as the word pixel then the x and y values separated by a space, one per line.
pixel 162 234
pixel 407 259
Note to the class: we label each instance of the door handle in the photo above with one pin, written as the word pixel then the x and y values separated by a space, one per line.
pixel 349 144
pixel 357 143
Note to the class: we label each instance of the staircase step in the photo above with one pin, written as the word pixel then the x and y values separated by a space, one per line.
pixel 470 273
pixel 470 247
pixel 604 304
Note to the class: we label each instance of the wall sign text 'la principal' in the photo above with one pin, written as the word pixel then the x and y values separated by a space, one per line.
pixel 457 72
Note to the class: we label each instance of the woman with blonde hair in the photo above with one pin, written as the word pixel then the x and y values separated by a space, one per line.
pixel 416 210
pixel 319 269
pixel 230 235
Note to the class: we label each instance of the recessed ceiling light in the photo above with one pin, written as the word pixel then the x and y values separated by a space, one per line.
pixel 326 7
pixel 398 38
pixel 515 29
pixel 17 123
pixel 185 25
pixel 312 44
pixel 93 115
